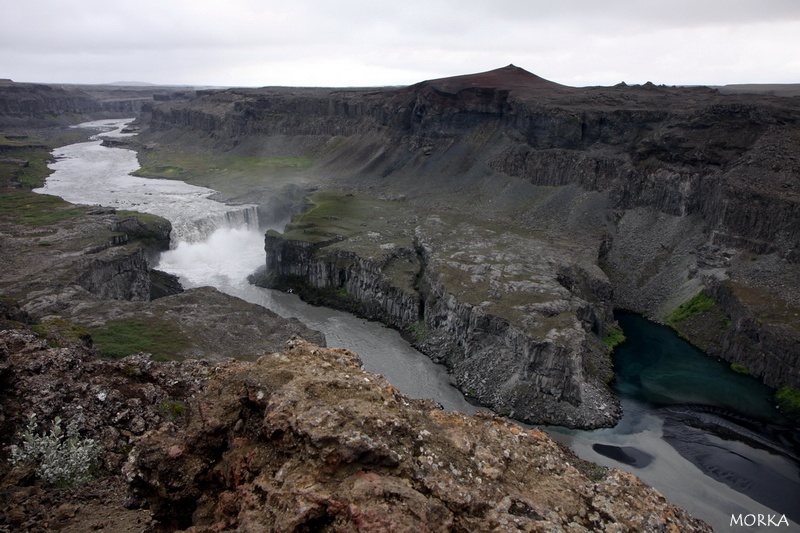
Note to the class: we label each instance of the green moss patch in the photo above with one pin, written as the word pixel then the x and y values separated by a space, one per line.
pixel 117 339
pixel 788 399
pixel 700 303
pixel 740 369
pixel 30 209
pixel 614 336
pixel 232 175
pixel 58 332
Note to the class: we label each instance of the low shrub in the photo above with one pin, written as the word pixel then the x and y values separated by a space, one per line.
pixel 61 459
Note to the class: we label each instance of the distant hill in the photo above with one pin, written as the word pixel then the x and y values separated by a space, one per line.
pixel 131 84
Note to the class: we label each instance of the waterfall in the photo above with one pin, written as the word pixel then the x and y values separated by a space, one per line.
pixel 199 228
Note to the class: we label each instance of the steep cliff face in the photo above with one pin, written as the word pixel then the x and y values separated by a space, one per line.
pixel 770 351
pixel 556 378
pixel 520 337
pixel 360 280
pixel 123 276
pixel 25 105
pixel 38 100
pixel 677 189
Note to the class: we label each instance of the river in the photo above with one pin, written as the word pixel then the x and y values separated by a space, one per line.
pixel 751 471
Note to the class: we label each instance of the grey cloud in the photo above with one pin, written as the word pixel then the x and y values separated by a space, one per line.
pixel 250 42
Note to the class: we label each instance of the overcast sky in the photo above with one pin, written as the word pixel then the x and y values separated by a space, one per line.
pixel 369 43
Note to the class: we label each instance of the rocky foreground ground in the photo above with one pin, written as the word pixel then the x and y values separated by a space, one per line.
pixel 300 440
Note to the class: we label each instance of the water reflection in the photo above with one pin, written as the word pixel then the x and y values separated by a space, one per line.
pixel 716 441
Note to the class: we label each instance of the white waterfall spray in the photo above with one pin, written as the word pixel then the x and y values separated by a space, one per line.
pixel 194 229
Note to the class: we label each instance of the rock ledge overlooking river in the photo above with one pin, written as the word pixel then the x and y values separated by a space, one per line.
pixel 302 439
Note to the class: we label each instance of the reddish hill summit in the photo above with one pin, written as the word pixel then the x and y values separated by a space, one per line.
pixel 510 78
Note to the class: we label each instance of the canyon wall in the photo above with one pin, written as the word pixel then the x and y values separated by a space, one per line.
pixel 682 151
pixel 26 105
pixel 539 373
pixel 698 188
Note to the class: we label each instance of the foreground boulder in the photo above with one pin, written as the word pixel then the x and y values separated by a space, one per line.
pixel 305 440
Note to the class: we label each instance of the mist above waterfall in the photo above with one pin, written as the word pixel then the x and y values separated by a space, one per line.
pixel 228 255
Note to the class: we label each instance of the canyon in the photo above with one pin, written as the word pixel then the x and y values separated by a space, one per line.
pixel 499 218
pixel 495 219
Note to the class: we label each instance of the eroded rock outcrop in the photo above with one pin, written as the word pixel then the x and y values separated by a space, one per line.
pixel 520 336
pixel 302 439
pixel 112 402
pixel 305 439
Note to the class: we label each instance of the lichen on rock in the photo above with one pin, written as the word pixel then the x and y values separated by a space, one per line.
pixel 307 440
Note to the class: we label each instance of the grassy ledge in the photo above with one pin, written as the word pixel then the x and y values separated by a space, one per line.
pixel 31 209
pixel 700 303
pixel 120 338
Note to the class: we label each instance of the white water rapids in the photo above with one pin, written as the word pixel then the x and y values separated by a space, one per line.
pixel 220 245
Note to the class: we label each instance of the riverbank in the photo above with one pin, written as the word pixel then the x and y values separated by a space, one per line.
pixel 160 395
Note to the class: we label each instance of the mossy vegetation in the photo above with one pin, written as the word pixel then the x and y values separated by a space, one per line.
pixel 336 216
pixel 788 399
pixel 417 331
pixel 24 159
pixel 173 409
pixel 58 332
pixel 31 209
pixel 120 338
pixel 740 369
pixel 702 322
pixel 26 168
pixel 230 174
pixel 700 303
pixel 614 336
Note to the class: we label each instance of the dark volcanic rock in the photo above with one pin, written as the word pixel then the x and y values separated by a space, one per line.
pixel 687 184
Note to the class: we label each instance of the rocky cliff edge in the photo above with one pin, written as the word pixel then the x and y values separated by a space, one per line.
pixel 300 440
